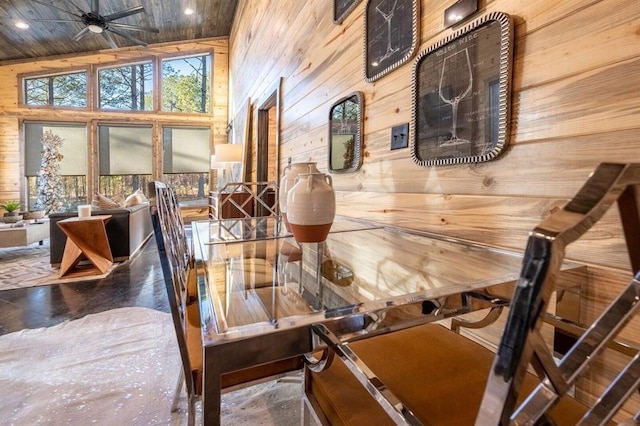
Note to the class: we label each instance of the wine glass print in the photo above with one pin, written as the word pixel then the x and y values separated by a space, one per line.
pixel 456 81
pixel 388 16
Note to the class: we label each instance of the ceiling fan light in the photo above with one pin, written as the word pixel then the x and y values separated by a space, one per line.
pixel 95 28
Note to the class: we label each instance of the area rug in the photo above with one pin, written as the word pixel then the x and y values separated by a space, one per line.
pixel 116 367
pixel 29 266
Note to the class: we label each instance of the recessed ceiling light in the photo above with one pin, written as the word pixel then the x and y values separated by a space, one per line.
pixel 22 25
pixel 188 11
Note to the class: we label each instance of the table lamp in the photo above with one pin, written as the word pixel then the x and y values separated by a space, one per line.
pixel 226 155
pixel 217 167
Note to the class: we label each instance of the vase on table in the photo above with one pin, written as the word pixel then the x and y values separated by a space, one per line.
pixel 311 207
pixel 290 172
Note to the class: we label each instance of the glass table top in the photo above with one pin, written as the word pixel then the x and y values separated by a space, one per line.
pixel 259 279
pixel 260 228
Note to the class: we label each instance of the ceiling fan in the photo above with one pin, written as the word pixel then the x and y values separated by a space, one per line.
pixel 96 23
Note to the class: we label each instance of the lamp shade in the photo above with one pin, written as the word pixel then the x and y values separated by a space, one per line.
pixel 228 153
pixel 215 165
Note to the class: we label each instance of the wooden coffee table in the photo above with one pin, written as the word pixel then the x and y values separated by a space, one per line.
pixel 86 237
pixel 24 235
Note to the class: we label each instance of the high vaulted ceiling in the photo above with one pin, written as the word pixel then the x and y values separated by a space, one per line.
pixel 210 18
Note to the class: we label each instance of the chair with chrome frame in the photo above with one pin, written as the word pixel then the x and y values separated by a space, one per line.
pixel 428 374
pixel 180 271
pixel 180 279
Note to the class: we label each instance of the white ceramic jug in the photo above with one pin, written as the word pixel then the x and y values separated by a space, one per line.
pixel 311 207
pixel 290 172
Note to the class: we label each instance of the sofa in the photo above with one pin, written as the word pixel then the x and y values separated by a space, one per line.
pixel 127 230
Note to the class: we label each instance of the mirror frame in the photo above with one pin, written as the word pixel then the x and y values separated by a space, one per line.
pixel 357 143
pixel 487 99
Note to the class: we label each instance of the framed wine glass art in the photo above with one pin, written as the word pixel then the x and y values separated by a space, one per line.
pixel 342 9
pixel 390 35
pixel 461 94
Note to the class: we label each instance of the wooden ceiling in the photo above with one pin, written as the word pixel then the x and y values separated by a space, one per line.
pixel 211 18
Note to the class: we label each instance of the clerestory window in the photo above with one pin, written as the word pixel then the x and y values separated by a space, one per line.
pixel 60 90
pixel 186 84
pixel 126 88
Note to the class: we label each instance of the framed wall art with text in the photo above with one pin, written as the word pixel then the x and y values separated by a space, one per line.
pixel 461 94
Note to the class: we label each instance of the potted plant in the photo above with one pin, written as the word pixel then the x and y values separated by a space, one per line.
pixel 12 215
pixel 11 207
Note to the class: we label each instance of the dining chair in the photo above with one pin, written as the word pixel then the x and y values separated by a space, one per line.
pixel 181 274
pixel 429 374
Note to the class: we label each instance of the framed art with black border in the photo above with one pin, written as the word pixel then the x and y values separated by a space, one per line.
pixel 342 9
pixel 461 94
pixel 390 35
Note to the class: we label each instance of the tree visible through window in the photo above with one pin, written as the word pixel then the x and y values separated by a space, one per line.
pixel 186 84
pixel 126 88
pixel 69 160
pixel 67 90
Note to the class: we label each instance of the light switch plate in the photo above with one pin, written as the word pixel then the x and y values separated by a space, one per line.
pixel 400 136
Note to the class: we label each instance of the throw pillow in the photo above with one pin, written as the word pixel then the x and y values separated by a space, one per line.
pixel 100 202
pixel 118 199
pixel 137 197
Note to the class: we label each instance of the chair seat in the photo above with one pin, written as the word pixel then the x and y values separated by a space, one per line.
pixel 438 374
pixel 193 336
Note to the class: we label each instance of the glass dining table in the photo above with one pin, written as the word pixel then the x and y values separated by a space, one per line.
pixel 260 291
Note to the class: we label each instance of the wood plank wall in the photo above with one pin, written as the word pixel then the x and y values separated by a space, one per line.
pixel 12 184
pixel 575 103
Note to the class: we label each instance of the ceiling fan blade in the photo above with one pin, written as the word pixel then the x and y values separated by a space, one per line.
pixel 133 27
pixel 81 34
pixel 110 41
pixel 55 20
pixel 95 6
pixel 82 12
pixel 128 37
pixel 123 13
pixel 56 7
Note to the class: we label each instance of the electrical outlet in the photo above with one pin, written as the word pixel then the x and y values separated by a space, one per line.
pixel 400 136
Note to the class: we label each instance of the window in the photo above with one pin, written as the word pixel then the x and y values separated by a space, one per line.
pixel 125 159
pixel 70 165
pixel 127 88
pixel 186 84
pixel 186 164
pixel 62 90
